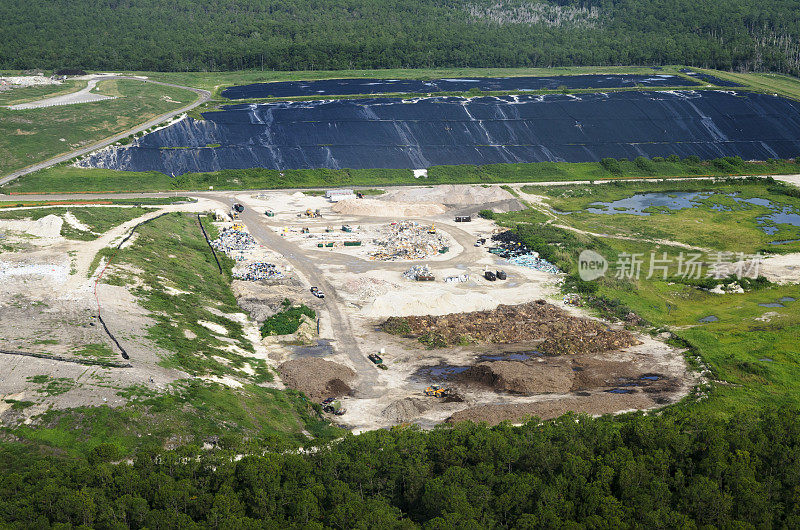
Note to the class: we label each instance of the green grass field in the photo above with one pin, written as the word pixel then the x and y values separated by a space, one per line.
pixel 30 136
pixel 68 179
pixel 718 222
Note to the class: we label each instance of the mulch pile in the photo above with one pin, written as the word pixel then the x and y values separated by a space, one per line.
pixel 559 332
pixel 317 378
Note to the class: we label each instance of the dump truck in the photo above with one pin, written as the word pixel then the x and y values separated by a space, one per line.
pixel 347 228
pixel 375 358
pixel 269 213
pixel 437 391
pixel 489 275
pixel 501 275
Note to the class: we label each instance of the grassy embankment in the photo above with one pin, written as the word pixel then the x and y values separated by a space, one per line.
pixel 97 220
pixel 179 284
pixel 30 136
pixel 750 351
pixel 67 179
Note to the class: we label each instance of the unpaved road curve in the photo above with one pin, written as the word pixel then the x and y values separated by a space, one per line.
pixel 204 95
pixel 83 95
pixel 343 332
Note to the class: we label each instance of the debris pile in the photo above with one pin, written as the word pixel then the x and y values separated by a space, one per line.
pixel 418 271
pixel 533 261
pixel 509 246
pixel 230 240
pixel 558 332
pixel 408 240
pixel 256 271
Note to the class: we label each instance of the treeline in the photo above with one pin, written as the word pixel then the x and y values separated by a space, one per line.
pixel 305 34
pixel 634 471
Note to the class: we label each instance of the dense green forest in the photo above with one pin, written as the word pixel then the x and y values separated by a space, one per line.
pixel 323 34
pixel 576 472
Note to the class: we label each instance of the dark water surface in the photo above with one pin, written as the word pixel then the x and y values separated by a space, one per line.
pixel 422 132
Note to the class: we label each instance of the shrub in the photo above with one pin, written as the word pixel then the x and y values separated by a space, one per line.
pixel 486 214
pixel 286 321
pixel 611 165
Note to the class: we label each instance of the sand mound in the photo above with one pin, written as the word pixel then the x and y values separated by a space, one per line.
pixel 448 194
pixel 522 377
pixel 406 409
pixel 48 226
pixel 595 404
pixel 317 378
pixel 380 208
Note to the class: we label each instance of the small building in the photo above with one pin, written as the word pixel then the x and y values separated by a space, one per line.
pixel 338 195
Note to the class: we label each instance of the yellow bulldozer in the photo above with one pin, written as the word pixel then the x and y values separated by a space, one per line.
pixel 437 391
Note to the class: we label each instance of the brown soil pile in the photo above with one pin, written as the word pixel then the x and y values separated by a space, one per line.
pixel 317 378
pixel 559 332
pixel 595 404
pixel 522 377
pixel 407 409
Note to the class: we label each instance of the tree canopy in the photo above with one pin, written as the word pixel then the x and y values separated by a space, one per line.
pixel 308 34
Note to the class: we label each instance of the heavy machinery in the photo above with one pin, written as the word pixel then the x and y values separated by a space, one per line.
pixel 489 275
pixel 375 358
pixel 437 391
pixel 333 407
pixel 501 275
pixel 432 229
pixel 313 213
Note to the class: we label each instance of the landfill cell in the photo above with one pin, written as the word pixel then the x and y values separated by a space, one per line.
pixel 423 132
pixel 346 87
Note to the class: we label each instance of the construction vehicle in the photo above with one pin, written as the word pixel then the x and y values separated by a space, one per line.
pixel 501 275
pixel 347 228
pixel 316 292
pixel 238 207
pixel 333 407
pixel 313 213
pixel 269 213
pixel 238 226
pixel 437 391
pixel 489 275
pixel 432 229
pixel 375 358
pixel 359 195
pixel 305 230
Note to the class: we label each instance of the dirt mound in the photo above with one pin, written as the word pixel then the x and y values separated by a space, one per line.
pixel 594 404
pixel 559 332
pixel 317 378
pixel 378 208
pixel 406 409
pixel 448 194
pixel 522 377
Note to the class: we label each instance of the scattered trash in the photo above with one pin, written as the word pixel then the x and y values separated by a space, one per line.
pixel 230 240
pixel 420 273
pixel 253 272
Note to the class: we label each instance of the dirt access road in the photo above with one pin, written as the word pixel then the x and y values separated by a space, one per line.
pixel 342 330
pixel 204 96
